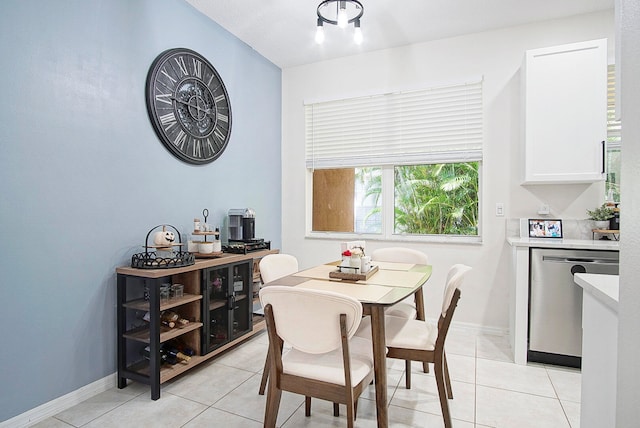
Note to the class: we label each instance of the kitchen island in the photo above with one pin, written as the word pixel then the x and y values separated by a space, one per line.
pixel 519 291
pixel 599 349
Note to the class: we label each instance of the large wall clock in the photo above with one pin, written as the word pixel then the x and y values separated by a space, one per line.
pixel 188 106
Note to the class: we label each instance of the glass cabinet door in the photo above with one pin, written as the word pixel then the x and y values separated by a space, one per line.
pixel 228 303
pixel 217 298
pixel 242 302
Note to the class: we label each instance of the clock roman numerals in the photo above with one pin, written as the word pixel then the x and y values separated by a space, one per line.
pixel 197 68
pixel 209 146
pixel 164 98
pixel 183 67
pixel 189 106
pixel 168 120
pixel 211 80
pixel 217 133
pixel 180 140
pixel 197 148
pixel 169 76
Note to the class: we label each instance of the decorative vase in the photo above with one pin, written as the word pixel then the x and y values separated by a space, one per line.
pixel 601 224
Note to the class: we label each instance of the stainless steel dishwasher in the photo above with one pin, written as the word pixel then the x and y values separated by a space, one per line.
pixel 555 301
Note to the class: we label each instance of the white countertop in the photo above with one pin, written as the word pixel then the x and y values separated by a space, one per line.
pixel 579 244
pixel 604 288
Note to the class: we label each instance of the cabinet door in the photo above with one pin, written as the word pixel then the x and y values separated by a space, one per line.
pixel 242 298
pixel 216 307
pixel 565 92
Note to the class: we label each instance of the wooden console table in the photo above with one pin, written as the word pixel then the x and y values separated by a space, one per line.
pixel 138 298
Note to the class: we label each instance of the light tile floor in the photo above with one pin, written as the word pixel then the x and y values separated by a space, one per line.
pixel 489 391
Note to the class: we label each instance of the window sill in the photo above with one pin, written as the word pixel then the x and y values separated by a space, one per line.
pixel 439 239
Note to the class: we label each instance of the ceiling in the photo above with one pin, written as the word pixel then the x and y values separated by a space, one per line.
pixel 283 30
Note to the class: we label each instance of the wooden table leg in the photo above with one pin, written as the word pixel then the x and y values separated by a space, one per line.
pixel 419 299
pixel 379 364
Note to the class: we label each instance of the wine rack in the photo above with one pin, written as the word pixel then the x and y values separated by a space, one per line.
pixel 139 309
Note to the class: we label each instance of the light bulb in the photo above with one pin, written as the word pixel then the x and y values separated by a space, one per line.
pixel 343 19
pixel 357 34
pixel 319 35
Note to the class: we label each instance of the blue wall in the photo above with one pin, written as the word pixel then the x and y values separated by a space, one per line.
pixel 83 176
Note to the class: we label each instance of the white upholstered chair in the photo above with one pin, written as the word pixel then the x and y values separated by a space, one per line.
pixel 415 340
pixel 272 267
pixel 330 364
pixel 408 307
pixel 411 306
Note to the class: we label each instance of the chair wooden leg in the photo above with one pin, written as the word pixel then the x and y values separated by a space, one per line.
pixel 355 409
pixel 265 375
pixel 336 410
pixel 307 406
pixel 273 405
pixel 442 393
pixel 407 378
pixel 425 367
pixel 446 376
pixel 350 413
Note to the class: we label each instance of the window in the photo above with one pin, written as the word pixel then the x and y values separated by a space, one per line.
pixel 436 199
pixel 400 164
pixel 612 187
pixel 347 200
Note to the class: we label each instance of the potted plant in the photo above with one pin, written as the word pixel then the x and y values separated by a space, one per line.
pixel 601 216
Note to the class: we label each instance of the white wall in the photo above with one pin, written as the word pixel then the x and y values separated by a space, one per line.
pixel 496 55
pixel 628 411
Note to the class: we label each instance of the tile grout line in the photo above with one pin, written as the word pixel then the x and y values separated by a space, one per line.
pixel 557 396
pixel 475 383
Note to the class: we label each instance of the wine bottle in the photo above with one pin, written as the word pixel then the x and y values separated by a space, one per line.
pixel 168 317
pixel 172 352
pixel 182 347
pixel 167 323
pixel 164 357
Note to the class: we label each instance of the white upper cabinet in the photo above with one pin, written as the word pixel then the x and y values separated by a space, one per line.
pixel 565 111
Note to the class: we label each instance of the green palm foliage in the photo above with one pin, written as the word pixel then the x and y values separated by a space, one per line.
pixel 438 199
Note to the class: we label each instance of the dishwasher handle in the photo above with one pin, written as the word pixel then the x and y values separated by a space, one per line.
pixel 581 260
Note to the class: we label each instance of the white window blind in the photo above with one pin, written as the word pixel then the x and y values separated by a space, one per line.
pixel 424 126
pixel 613 126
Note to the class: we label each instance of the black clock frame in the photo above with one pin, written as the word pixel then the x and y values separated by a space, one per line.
pixel 188 106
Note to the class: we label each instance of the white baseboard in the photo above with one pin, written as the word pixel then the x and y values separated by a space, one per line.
pixel 60 404
pixel 476 328
pixel 473 328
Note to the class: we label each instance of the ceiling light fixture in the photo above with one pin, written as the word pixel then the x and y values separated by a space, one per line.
pixel 340 13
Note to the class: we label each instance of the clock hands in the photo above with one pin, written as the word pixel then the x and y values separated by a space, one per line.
pixel 207 111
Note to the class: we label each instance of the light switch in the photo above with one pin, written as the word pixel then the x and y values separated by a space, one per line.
pixel 499 209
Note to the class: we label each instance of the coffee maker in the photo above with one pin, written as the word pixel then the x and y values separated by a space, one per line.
pixel 242 230
pixel 242 224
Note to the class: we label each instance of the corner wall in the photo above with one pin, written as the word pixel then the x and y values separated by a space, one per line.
pixel 83 177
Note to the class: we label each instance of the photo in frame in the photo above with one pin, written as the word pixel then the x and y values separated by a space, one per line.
pixel 545 228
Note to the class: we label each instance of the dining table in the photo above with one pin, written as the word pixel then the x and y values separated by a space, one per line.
pixel 388 285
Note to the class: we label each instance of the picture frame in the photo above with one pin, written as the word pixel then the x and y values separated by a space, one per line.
pixel 545 228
